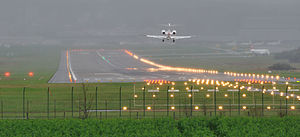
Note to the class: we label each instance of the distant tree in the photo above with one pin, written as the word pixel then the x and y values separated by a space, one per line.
pixel 281 66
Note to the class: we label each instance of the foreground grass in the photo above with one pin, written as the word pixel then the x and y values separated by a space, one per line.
pixel 216 126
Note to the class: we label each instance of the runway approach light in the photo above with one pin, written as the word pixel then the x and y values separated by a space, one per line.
pixel 148 108
pixel 172 107
pixel 172 95
pixel 154 96
pixel 293 107
pixel 207 95
pixel 30 74
pixel 226 95
pixel 244 107
pixel 135 96
pixel 7 74
pixel 220 107
pixel 281 94
pixel 196 107
pixel 268 107
pixel 125 108
pixel 244 95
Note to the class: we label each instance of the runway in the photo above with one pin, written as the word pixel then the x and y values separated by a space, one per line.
pixel 82 66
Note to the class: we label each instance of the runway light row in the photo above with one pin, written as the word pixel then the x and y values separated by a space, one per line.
pixel 169 68
pixel 252 75
pixel 124 108
pixel 160 82
pixel 251 81
pixel 208 82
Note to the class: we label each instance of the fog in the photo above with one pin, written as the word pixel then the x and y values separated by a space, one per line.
pixel 208 19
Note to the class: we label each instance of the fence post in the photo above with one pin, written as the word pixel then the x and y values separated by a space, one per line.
pixel 144 101
pixel 48 96
pixel 229 107
pixel 105 109
pixel 120 97
pixel 96 102
pixel 280 107
pixel 239 100
pixel 54 108
pixel 204 106
pixel 255 106
pixel 215 100
pixel 191 101
pixel 168 101
pixel 72 101
pixel 27 116
pixel 2 109
pixel 174 115
pixel 185 107
pixel 179 107
pixel 78 108
pixel 24 103
pixel 154 108
pixel 286 100
pixel 129 108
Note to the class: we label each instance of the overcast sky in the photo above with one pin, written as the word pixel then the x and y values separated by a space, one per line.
pixel 240 19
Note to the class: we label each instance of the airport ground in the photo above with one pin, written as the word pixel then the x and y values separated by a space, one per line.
pixel 44 62
pixel 26 97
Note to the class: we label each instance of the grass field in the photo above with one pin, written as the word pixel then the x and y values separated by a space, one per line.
pixel 108 101
pixel 216 126
pixel 20 60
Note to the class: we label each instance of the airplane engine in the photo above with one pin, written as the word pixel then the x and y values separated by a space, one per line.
pixel 174 32
pixel 163 32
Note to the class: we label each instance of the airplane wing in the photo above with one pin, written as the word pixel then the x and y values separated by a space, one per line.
pixel 155 36
pixel 181 37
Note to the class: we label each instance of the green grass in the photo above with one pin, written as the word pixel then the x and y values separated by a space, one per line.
pixel 43 61
pixel 60 101
pixel 203 126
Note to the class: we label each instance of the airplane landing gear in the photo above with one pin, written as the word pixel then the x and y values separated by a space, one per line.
pixel 173 40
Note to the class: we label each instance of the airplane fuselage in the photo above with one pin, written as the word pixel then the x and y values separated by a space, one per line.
pixel 168 35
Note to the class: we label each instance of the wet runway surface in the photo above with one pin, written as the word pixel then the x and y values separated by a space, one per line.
pixel 115 66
